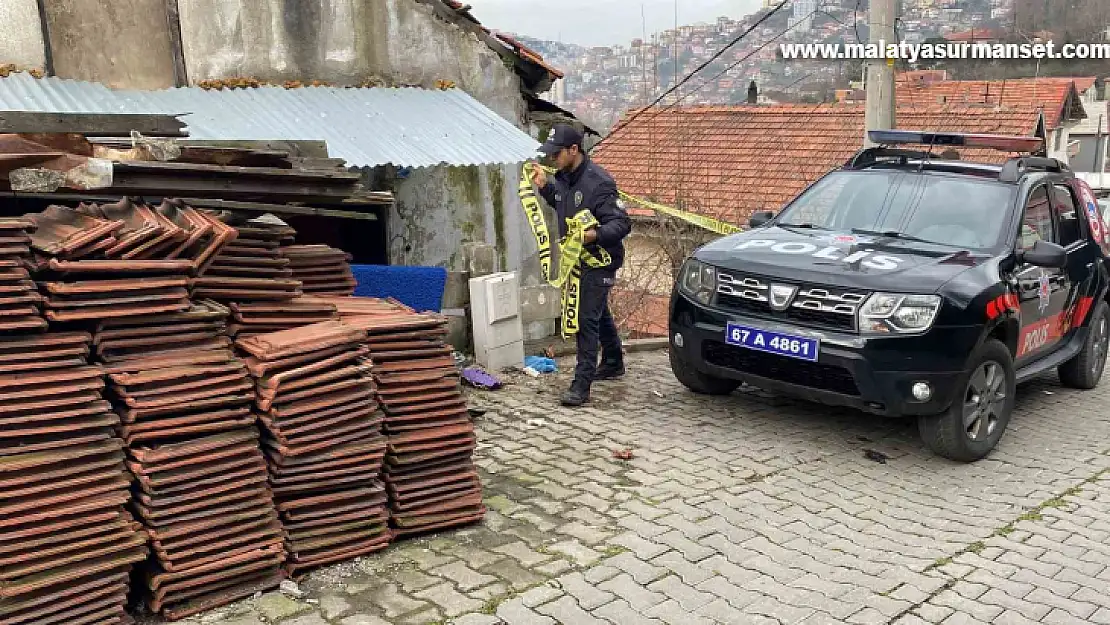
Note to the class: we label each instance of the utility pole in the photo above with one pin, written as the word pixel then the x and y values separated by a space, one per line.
pixel 880 72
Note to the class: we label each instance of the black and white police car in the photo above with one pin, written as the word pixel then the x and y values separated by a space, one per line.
pixel 903 284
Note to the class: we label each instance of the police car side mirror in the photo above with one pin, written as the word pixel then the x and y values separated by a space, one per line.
pixel 760 218
pixel 1045 254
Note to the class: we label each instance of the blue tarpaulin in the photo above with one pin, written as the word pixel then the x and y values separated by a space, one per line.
pixel 420 288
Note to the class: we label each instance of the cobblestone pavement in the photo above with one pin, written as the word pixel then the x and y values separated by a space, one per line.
pixel 747 509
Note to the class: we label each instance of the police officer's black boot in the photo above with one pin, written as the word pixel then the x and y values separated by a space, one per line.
pixel 578 393
pixel 610 369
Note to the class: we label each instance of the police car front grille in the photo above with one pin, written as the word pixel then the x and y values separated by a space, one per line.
pixel 774 367
pixel 813 305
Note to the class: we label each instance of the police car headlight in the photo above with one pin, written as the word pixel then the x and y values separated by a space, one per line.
pixel 699 280
pixel 892 313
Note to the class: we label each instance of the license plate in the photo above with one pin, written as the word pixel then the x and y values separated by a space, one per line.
pixel 773 342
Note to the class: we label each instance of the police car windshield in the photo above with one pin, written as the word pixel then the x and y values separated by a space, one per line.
pixel 925 207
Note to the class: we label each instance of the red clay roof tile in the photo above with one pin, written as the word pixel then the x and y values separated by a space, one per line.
pixel 729 161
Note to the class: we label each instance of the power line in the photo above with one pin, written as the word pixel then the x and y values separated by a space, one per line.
pixel 689 76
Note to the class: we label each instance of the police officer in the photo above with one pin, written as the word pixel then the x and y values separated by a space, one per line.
pixel 582 184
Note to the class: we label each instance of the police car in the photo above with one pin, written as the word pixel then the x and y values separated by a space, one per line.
pixel 903 284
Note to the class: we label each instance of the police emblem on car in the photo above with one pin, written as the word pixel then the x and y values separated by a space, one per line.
pixel 1044 293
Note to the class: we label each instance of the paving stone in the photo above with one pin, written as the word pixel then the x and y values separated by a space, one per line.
pixel 576 551
pixel 642 548
pixel 567 612
pixel 620 612
pixel 586 594
pixel 423 617
pixel 631 591
pixel 672 612
pixel 588 534
pixel 274 606
pixel 412 580
pixel 721 611
pixel 514 612
pixel 541 594
pixel 363 619
pixel 452 602
pixel 393 602
pixel 554 568
pixel 688 571
pixel 333 606
pixel 688 597
pixel 464 577
pixel 516 576
pixel 493 591
pixel 476 619
pixel 310 619
pixel 643 572
pixel 601 573
pixel 522 553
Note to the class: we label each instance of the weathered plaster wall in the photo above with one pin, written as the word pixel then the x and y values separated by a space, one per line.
pixel 122 43
pixel 342 41
pixel 21 34
pixel 438 209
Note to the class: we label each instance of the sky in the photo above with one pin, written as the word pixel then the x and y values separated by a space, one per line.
pixel 601 22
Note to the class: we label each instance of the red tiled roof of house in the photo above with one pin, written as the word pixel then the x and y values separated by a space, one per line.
pixel 727 162
pixel 1056 95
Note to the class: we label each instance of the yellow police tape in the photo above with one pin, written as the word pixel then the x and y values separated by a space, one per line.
pixel 713 225
pixel 572 252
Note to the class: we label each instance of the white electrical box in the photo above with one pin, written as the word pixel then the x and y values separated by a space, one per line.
pixel 496 317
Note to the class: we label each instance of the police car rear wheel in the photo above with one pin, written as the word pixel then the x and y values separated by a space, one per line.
pixel 1085 370
pixel 979 414
pixel 697 381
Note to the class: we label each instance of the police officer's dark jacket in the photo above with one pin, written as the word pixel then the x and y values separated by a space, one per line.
pixel 591 187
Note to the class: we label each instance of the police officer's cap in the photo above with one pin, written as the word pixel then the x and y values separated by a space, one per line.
pixel 562 136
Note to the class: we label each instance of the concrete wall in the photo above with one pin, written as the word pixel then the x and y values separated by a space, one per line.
pixel 121 43
pixel 21 34
pixel 342 41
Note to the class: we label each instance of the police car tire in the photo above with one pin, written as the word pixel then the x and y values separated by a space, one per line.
pixel 697 381
pixel 945 434
pixel 1077 373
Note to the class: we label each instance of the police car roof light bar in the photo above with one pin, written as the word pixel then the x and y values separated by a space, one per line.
pixel 870 156
pixel 1006 143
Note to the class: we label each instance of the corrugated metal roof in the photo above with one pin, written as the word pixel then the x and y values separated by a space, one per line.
pixel 406 127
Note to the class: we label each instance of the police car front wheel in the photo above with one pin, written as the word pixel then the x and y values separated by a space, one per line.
pixel 980 411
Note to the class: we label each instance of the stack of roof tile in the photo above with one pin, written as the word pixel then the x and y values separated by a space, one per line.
pixel 251 268
pixel 180 394
pixel 185 403
pixel 202 326
pixel 321 269
pixel 19 301
pixel 67 543
pixel 429 468
pixel 323 441
pixel 86 290
pixel 215 533
pixel 251 319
